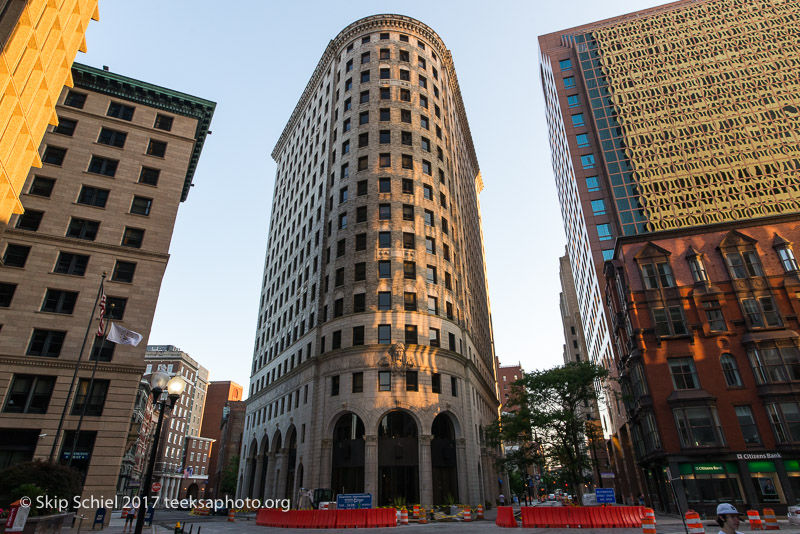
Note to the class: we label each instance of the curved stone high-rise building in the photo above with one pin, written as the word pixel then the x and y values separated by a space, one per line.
pixel 373 367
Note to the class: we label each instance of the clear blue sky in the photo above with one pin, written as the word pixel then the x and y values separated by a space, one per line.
pixel 254 59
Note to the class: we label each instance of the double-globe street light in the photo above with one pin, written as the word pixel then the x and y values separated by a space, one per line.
pixel 159 381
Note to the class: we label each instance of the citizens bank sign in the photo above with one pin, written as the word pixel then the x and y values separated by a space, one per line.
pixel 762 456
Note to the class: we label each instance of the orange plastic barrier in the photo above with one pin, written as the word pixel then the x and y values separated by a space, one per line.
pixel 693 523
pixel 770 521
pixel 648 526
pixel 505 517
pixel 582 516
pixel 372 517
pixel 755 520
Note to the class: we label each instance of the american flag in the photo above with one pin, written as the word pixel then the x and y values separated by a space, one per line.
pixel 101 330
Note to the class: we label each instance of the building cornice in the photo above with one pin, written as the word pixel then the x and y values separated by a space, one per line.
pixel 372 23
pixel 154 96
pixel 56 363
pixel 118 250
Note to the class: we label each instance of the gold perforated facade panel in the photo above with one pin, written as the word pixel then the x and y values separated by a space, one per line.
pixel 707 102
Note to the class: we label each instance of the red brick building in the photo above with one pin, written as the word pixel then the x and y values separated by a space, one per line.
pixel 705 323
pixel 505 376
pixel 219 396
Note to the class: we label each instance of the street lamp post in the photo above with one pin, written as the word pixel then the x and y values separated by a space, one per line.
pixel 174 387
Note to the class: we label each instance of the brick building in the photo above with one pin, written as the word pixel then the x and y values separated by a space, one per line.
pixel 717 312
pixel 228 448
pixel 220 396
pixel 506 374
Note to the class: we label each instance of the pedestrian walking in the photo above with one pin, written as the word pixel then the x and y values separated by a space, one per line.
pixel 129 520
pixel 728 519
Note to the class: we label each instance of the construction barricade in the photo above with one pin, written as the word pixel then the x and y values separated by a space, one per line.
pixel 770 521
pixel 582 516
pixel 693 523
pixel 505 517
pixel 364 518
pixel 755 520
pixel 480 511
pixel 423 516
pixel 648 526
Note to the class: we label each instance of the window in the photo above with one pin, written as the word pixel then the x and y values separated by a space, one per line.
pixel 384 300
pixel 433 337
pixel 409 270
pixel 433 305
pixel 565 64
pixel 773 362
pixel 436 383
pixel 699 427
pixel 65 127
pixel 592 184
pixel 92 196
pixel 385 137
pixel 786 256
pixel 785 420
pixel 123 271
pixel 46 343
pixel 430 274
pixel 583 140
pixel 112 137
pixel 384 240
pixel 587 161
pixel 669 321
pixel 716 321
pixel 141 205
pixel 338 281
pixel 410 301
pixel 454 386
pixel 697 268
pixel 657 275
pixel 364 76
pixel 426 167
pixel 427 192
pixel 16 255
pixel 761 312
pixel 423 82
pixel 346 147
pixel 384 380
pixel 104 166
pixel 411 334
pixel 608 254
pixel 359 302
pixel 120 111
pixel 384 335
pixel 7 294
pixel 748 425
pixel 424 122
pixel 448 281
pixel 156 148
pixel 83 229
pixel 598 207
pixel 604 232
pixel 365 58
pixel 132 237
pixel 360 272
pixel 361 188
pixel 423 101
pixel 408 240
pixel 384 269
pixel 684 374
pixel 41 186
pixel 115 308
pixel 405 116
pixel 384 212
pixel 30 220
pixel 335 386
pixel 75 100
pixel 348 104
pixel 430 245
pixel 358 378
pixel 149 176
pixel 744 264
pixel 385 160
pixel 569 82
pixel 54 155
pixel 405 95
pixel 163 122
pixel 421 61
pixel 412 381
pixel 69 263
pixel 29 394
pixel 385 114
pixel 363 98
pixel 730 370
pixel 573 101
pixel 94 400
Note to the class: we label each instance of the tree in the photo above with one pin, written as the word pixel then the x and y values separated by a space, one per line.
pixel 548 426
pixel 227 485
pixel 32 479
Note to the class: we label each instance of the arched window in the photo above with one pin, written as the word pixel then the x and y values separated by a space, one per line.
pixel 730 370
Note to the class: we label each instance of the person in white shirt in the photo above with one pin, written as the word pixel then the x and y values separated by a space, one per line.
pixel 728 519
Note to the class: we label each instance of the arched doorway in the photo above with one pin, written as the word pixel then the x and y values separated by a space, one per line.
pixel 277 444
pixel 262 481
pixel 291 445
pixel 251 468
pixel 192 491
pixel 347 463
pixel 443 460
pixel 398 458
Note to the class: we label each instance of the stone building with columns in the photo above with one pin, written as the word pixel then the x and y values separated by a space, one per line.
pixel 373 367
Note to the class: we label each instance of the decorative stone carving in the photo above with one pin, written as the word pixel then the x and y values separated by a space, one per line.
pixel 397 360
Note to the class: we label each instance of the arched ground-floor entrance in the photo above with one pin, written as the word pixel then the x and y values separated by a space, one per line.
pixel 398 459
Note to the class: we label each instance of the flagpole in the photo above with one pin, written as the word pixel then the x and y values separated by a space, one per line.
pixel 75 373
pixel 89 389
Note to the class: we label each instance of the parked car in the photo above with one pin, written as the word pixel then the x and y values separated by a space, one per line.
pixel 793 515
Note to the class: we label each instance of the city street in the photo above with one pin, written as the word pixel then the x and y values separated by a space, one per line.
pixel 166 519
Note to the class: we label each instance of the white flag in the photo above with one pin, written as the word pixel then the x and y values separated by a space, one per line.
pixel 123 336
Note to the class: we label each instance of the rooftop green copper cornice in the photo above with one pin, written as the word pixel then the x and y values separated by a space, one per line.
pixel 153 96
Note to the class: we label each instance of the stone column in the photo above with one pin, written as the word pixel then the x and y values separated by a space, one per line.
pixel 264 474
pixel 283 464
pixel 269 480
pixel 425 472
pixel 325 463
pixel 257 482
pixel 467 478
pixel 371 466
pixel 248 477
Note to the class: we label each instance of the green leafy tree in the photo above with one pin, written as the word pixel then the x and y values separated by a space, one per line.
pixel 227 485
pixel 548 428
pixel 30 479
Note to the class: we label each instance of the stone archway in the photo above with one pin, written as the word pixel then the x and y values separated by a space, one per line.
pixel 262 467
pixel 398 458
pixel 193 491
pixel 290 461
pixel 444 460
pixel 347 456
pixel 250 469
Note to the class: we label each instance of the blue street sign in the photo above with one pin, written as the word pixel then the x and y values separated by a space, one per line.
pixel 604 495
pixel 353 501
